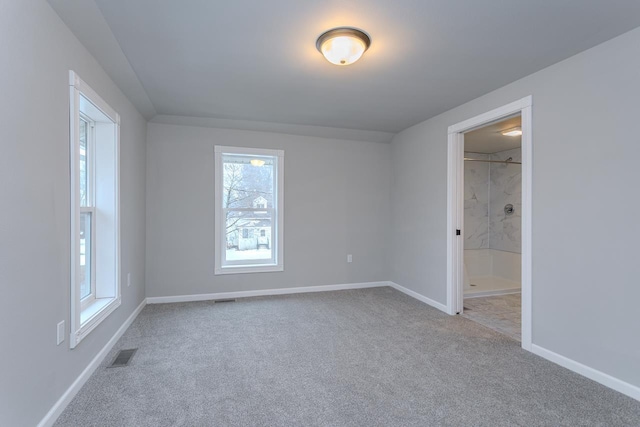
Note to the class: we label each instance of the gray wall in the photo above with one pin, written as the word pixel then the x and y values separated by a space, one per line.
pixel 585 267
pixel 342 195
pixel 37 52
pixel 336 202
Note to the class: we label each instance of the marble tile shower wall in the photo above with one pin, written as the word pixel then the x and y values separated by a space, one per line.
pixel 488 187
pixel 476 202
pixel 505 188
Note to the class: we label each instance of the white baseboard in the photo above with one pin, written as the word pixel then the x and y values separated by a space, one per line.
pixel 68 395
pixel 584 370
pixel 57 409
pixel 577 367
pixel 419 297
pixel 265 292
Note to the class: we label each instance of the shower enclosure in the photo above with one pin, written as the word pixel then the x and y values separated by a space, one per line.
pixel 492 223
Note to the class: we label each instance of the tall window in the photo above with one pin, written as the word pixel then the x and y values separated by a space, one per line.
pixel 95 247
pixel 249 217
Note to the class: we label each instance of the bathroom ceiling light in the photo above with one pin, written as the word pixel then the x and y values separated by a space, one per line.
pixel 513 132
pixel 257 162
pixel 343 45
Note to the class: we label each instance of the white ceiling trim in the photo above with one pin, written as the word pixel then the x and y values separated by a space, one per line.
pixel 426 57
pixel 289 129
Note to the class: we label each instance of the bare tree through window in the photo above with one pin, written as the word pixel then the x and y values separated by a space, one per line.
pixel 248 203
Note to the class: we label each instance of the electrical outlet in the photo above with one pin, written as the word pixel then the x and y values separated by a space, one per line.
pixel 128 279
pixel 349 258
pixel 60 332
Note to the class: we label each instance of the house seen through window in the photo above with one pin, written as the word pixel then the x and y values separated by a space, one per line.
pixel 249 190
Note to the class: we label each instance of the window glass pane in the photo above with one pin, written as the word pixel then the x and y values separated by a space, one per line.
pixel 84 131
pixel 248 235
pixel 247 181
pixel 85 254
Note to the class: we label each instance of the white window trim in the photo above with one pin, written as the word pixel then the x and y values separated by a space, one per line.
pixel 278 234
pixel 91 166
pixel 91 298
pixel 86 317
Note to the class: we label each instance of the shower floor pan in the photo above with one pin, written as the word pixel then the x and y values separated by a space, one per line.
pixel 491 285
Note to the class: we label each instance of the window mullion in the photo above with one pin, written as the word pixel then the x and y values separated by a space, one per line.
pixel 94 239
pixel 91 163
pixel 87 300
pixel 90 157
pixel 274 227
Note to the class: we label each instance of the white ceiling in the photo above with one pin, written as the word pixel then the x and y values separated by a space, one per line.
pixel 489 139
pixel 255 60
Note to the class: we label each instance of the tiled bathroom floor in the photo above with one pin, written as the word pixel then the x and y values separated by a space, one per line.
pixel 501 313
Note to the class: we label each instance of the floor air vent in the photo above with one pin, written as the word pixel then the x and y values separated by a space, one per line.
pixel 123 358
pixel 224 300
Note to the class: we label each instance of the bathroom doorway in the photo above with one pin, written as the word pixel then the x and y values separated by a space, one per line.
pixel 489 220
pixel 492 239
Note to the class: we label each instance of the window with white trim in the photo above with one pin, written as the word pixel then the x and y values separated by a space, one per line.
pixel 249 210
pixel 95 237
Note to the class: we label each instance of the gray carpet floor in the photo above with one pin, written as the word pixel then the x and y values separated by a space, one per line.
pixel 371 357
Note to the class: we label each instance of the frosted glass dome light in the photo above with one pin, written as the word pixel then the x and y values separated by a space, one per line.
pixel 343 46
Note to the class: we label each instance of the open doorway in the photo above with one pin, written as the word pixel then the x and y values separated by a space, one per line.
pixel 495 231
pixel 492 239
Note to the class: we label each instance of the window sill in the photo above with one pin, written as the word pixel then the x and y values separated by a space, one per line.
pixel 243 269
pixel 93 314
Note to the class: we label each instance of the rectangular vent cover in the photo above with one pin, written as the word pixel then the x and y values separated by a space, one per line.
pixel 224 300
pixel 123 358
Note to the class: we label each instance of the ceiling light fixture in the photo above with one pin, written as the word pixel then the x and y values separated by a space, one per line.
pixel 343 45
pixel 517 131
pixel 257 162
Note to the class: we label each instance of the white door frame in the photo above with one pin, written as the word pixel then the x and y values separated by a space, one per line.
pixel 455 208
